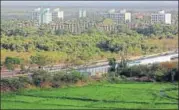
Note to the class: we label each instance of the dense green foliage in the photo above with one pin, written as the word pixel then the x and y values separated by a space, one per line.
pixel 13 84
pixel 112 63
pixel 40 60
pixel 164 72
pixel 41 78
pixel 93 44
pixel 10 62
pixel 159 30
pixel 99 96
pixel 167 71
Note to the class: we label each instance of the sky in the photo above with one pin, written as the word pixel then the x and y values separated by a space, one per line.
pixel 78 3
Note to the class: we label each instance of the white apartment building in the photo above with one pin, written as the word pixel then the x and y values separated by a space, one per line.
pixel 46 16
pixel 118 17
pixel 36 14
pixel 57 14
pixel 161 17
pixel 42 16
pixel 82 13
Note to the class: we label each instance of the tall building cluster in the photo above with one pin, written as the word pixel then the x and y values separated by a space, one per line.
pixel 45 15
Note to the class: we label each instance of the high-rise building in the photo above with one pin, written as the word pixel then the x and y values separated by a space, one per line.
pixel 118 17
pixel 42 16
pixel 82 13
pixel 46 16
pixel 161 17
pixel 57 14
pixel 36 14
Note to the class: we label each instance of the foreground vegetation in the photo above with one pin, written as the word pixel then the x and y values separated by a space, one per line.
pixel 101 95
pixel 164 72
pixel 113 90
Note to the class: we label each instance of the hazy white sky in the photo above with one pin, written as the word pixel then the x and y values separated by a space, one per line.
pixel 85 2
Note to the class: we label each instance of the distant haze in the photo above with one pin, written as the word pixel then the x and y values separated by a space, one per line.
pixel 138 4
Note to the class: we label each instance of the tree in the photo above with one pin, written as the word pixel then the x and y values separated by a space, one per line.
pixel 40 60
pixel 112 63
pixel 123 63
pixel 40 77
pixel 10 62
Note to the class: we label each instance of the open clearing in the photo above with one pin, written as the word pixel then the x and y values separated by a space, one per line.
pixel 104 96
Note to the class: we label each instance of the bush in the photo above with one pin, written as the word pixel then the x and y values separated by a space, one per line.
pixel 159 75
pixel 5 85
pixel 10 62
pixel 84 77
pixel 16 84
pixel 69 77
pixel 158 72
pixel 111 74
pixel 40 77
pixel 25 80
pixel 123 77
pixel 57 79
pixel 114 79
pixel 76 76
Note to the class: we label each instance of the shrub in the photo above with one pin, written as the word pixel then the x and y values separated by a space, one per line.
pixel 123 77
pixel 12 84
pixel 76 76
pixel 114 79
pixel 5 85
pixel 159 75
pixel 57 79
pixel 25 80
pixel 41 76
pixel 159 72
pixel 16 84
pixel 22 66
pixel 70 77
pixel 171 75
pixel 67 78
pixel 112 63
pixel 84 77
pixel 111 74
pixel 10 62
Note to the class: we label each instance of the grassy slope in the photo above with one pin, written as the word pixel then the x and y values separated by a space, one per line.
pixel 137 95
